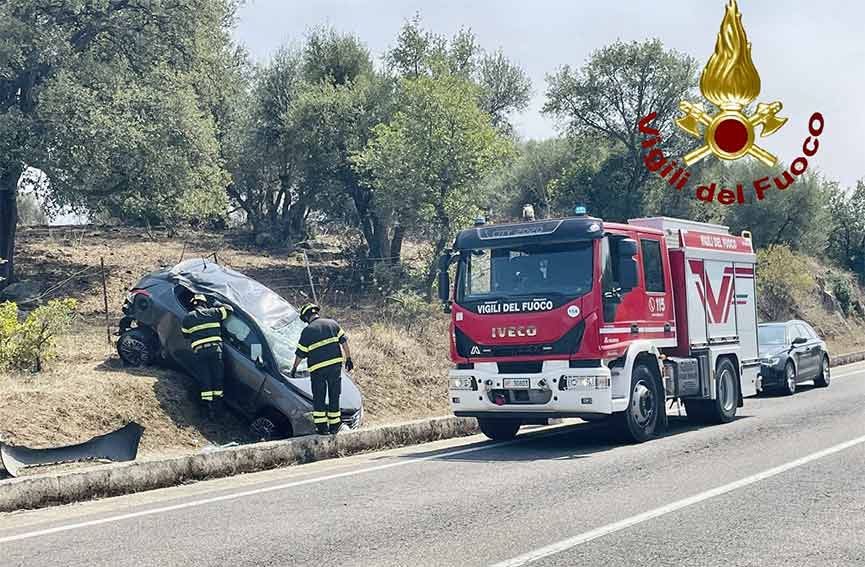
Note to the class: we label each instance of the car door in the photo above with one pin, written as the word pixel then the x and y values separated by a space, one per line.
pixel 815 349
pixel 803 352
pixel 245 364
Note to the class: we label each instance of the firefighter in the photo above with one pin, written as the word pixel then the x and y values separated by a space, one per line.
pixel 203 327
pixel 325 346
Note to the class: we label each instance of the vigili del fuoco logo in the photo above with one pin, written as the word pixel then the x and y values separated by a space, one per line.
pixel 730 82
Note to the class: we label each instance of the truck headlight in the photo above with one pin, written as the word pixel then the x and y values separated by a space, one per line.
pixel 584 382
pixel 463 383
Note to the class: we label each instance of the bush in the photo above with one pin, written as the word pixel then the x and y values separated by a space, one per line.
pixel 783 282
pixel 842 289
pixel 28 344
pixel 410 310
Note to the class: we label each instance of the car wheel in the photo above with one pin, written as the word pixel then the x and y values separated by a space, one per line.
pixel 823 379
pixel 639 422
pixel 499 429
pixel 723 408
pixel 788 388
pixel 137 347
pixel 269 427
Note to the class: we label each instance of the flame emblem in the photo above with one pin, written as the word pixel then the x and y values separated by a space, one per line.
pixel 730 81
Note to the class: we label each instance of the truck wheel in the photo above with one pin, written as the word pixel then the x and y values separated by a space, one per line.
pixel 137 347
pixel 788 388
pixel 822 380
pixel 639 422
pixel 499 429
pixel 723 408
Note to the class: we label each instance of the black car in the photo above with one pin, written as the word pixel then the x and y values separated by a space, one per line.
pixel 260 338
pixel 791 353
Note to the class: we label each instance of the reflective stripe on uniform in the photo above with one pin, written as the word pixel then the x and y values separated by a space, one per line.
pixel 333 417
pixel 200 342
pixel 340 334
pixel 201 327
pixel 330 362
pixel 224 312
pixel 319 417
pixel 210 394
pixel 314 346
pixel 302 348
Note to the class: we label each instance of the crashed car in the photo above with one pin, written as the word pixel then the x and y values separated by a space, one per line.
pixel 259 341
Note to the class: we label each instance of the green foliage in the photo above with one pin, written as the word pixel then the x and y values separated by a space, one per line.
pixel 846 243
pixel 783 282
pixel 429 159
pixel 27 345
pixel 410 310
pixel 843 290
pixel 797 216
pixel 601 104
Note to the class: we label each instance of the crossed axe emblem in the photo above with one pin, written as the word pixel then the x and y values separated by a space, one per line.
pixel 730 133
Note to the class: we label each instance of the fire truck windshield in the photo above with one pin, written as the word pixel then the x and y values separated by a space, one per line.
pixel 501 273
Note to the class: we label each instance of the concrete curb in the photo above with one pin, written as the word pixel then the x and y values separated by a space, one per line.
pixel 849 358
pixel 124 478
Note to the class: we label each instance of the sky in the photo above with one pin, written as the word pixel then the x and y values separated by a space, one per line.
pixel 810 54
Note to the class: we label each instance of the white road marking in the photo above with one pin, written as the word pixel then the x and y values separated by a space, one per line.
pixel 580 539
pixel 264 490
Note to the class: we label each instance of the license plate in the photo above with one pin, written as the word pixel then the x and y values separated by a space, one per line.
pixel 523 383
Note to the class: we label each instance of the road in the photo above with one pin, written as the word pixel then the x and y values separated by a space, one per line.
pixel 784 484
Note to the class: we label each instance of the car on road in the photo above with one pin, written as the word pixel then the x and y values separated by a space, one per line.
pixel 791 352
pixel 260 338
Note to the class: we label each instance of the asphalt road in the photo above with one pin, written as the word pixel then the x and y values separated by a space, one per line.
pixel 784 484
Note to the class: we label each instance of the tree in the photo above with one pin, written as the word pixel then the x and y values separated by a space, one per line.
pixel 847 234
pixel 529 178
pixel 797 216
pixel 504 87
pixel 620 84
pixel 429 159
pixel 70 69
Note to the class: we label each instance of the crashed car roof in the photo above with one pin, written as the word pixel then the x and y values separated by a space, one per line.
pixel 209 278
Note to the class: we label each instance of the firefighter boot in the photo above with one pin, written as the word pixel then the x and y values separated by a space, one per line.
pixel 321 428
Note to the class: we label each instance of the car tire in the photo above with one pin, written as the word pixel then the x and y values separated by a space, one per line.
pixel 788 386
pixel 723 408
pixel 269 426
pixel 822 380
pixel 138 347
pixel 639 422
pixel 499 429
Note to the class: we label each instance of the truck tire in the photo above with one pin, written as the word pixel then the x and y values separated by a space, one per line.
pixel 822 379
pixel 723 408
pixel 499 429
pixel 138 347
pixel 639 422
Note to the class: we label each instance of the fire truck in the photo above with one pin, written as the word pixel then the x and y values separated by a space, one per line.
pixel 577 317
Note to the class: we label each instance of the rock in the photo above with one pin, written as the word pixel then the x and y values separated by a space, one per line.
pixel 20 291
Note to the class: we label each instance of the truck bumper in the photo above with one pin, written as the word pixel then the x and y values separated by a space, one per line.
pixel 497 397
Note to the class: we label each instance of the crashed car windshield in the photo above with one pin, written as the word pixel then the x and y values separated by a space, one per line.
pixel 282 338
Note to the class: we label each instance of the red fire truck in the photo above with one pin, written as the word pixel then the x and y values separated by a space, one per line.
pixel 576 317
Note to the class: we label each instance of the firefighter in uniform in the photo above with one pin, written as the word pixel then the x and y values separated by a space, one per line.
pixel 203 327
pixel 325 346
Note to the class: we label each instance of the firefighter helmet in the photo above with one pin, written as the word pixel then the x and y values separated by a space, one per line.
pixel 307 310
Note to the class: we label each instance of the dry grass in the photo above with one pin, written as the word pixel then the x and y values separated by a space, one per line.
pixel 87 392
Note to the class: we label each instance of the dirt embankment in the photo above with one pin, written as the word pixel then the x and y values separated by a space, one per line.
pixel 87 392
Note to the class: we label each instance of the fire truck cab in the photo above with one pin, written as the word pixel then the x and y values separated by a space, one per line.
pixel 576 317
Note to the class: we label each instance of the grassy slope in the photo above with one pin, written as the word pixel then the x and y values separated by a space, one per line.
pixel 87 392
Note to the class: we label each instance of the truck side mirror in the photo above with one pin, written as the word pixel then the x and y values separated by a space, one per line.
pixel 627 265
pixel 444 278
